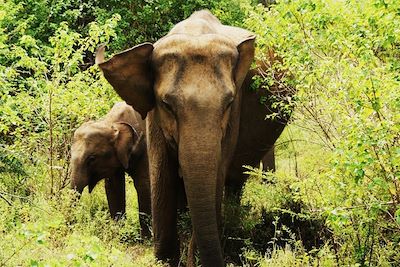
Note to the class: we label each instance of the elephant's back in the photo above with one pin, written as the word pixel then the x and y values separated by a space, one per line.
pixel 122 112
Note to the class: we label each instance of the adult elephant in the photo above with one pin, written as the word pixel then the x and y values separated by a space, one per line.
pixel 107 149
pixel 257 131
pixel 188 84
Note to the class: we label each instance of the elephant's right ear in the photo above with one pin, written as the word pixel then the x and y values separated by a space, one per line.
pixel 129 72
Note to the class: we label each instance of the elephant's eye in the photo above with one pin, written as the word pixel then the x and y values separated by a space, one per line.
pixel 167 106
pixel 90 159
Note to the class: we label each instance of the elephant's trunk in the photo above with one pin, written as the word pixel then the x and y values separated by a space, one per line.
pixel 199 157
pixel 78 179
pixel 78 187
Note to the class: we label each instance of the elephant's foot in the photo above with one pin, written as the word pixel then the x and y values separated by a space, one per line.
pixel 168 252
pixel 145 225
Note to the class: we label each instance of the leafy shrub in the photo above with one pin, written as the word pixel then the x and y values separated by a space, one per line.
pixel 38 231
pixel 343 57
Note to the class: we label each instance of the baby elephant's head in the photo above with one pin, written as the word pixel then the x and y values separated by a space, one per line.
pixel 101 150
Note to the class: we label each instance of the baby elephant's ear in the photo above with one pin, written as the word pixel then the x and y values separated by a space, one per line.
pixel 129 72
pixel 125 140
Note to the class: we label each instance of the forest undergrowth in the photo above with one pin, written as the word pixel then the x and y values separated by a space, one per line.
pixel 334 199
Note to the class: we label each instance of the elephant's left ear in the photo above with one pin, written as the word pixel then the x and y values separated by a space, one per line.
pixel 129 72
pixel 246 56
pixel 125 140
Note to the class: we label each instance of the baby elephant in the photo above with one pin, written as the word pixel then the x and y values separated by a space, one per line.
pixel 107 149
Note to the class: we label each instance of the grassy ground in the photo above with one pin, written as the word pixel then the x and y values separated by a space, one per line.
pixel 39 230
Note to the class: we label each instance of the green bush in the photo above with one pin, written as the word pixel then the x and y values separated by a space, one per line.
pixel 344 57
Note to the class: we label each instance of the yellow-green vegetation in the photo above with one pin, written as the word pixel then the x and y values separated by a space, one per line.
pixel 60 231
pixel 334 200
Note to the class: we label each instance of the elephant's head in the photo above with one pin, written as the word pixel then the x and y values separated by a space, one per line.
pixel 100 150
pixel 190 80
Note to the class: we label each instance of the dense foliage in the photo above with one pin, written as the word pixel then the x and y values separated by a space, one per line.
pixel 344 57
pixel 334 199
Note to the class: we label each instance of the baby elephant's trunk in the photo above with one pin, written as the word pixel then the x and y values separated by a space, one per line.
pixel 78 181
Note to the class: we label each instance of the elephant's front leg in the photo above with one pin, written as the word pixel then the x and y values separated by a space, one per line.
pixel 115 190
pixel 164 183
pixel 142 185
pixel 164 213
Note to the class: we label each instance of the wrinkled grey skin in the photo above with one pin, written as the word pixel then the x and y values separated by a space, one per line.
pixel 189 86
pixel 108 148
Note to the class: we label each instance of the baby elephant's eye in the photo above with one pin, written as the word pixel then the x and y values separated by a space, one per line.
pixel 90 159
